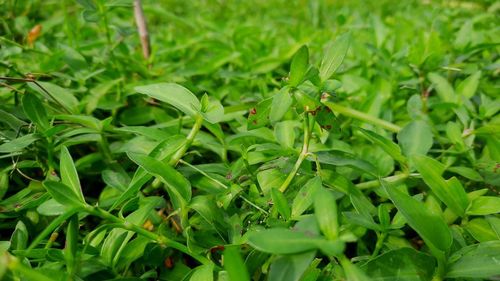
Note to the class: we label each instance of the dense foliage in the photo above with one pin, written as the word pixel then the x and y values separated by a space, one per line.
pixel 261 140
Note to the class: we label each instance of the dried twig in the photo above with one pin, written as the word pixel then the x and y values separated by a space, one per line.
pixel 142 28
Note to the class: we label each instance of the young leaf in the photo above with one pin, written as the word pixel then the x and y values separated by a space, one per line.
pixel 467 88
pixel 64 194
pixel 173 94
pixel 430 226
pixel 299 66
pixel 325 210
pixel 214 111
pixel 482 230
pixel 334 56
pixel 450 192
pixel 415 138
pixel 35 111
pixel 484 205
pixel 69 175
pixel 19 238
pixel 444 89
pixel 234 264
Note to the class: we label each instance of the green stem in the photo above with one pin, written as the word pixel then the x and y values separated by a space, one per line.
pixel 380 242
pixel 141 231
pixel 189 140
pixel 302 155
pixel 106 152
pixel 362 116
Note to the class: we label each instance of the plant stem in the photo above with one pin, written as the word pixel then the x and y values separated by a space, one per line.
pixel 380 242
pixel 189 140
pixel 122 223
pixel 302 155
pixel 362 116
pixel 106 152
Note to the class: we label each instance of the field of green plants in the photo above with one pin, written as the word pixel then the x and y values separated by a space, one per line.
pixel 254 140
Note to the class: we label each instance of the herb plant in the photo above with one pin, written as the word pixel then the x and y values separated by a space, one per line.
pixel 249 140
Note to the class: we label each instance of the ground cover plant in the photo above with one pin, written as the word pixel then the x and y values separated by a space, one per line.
pixel 252 140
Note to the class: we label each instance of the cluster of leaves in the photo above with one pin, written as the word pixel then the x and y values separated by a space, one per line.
pixel 262 140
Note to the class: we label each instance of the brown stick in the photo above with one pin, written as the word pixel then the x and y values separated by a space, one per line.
pixel 142 28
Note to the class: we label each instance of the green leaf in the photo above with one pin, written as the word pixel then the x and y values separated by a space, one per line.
pixel 285 132
pixel 71 245
pixel 443 87
pixel 203 273
pixel 62 97
pixel 19 237
pixel 35 111
pixel 285 241
pixel 325 210
pixel 468 87
pixel 476 261
pixel 118 238
pixel 259 115
pixel 175 181
pixel 481 230
pixel 290 267
pixel 362 219
pixel 466 172
pixel 173 94
pixel 449 192
pixel 415 138
pixel 234 264
pixel 69 175
pixel 280 105
pixel 430 226
pixel 51 208
pixel 484 205
pixel 353 272
pixel 334 56
pixel 299 66
pixel 164 150
pixel 64 194
pixel 401 264
pixel 84 120
pixel 387 145
pixel 305 196
pixel 281 203
pixel 18 144
pixel 214 111
pixel 346 159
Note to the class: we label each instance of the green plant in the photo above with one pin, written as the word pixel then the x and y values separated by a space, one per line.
pixel 357 141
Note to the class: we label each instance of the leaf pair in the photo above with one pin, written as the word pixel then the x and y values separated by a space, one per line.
pixel 68 192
